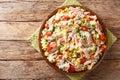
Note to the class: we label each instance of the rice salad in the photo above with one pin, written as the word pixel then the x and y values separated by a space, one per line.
pixel 73 39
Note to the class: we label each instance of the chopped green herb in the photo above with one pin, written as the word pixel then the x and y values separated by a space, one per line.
pixel 59 49
pixel 84 37
pixel 53 28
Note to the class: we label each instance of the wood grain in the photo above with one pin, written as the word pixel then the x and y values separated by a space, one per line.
pixel 108 70
pixel 37 10
pixel 20 18
pixel 35 70
pixel 18 50
pixel 17 30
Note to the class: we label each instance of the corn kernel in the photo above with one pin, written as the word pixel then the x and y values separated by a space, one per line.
pixel 70 49
pixel 72 42
pixel 74 55
pixel 97 41
pixel 76 62
pixel 92 48
pixel 95 23
pixel 75 47
pixel 75 26
pixel 45 36
pixel 80 51
pixel 87 18
pixel 46 53
pixel 59 10
pixel 82 68
pixel 62 48
pixel 70 55
pixel 82 24
pixel 66 54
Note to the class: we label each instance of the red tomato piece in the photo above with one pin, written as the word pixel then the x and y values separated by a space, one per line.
pixel 85 28
pixel 48 34
pixel 53 44
pixel 65 18
pixel 103 38
pixel 92 57
pixel 46 25
pixel 48 48
pixel 82 60
pixel 73 16
pixel 103 48
pixel 59 57
pixel 91 19
pixel 72 68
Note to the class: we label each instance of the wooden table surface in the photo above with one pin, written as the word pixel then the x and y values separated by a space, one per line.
pixel 20 18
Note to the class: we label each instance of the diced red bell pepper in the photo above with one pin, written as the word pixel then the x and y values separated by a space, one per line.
pixel 46 26
pixel 103 38
pixel 85 28
pixel 103 48
pixel 91 19
pixel 73 16
pixel 72 68
pixel 48 34
pixel 92 57
pixel 48 48
pixel 82 60
pixel 65 18
pixel 59 56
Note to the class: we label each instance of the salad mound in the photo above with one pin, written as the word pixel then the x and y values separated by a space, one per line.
pixel 73 39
